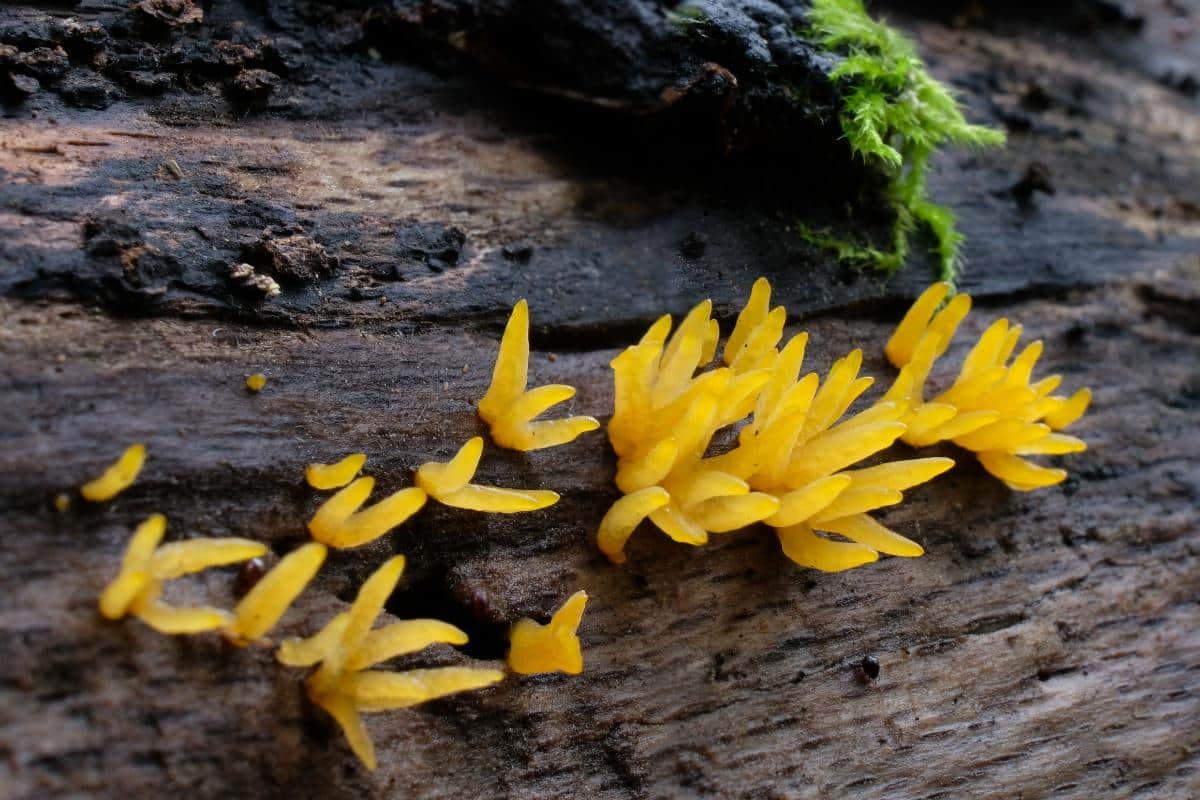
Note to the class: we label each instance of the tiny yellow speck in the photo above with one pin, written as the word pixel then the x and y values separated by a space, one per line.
pixel 62 502
pixel 256 382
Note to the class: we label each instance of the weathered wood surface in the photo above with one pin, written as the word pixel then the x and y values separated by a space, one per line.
pixel 1046 645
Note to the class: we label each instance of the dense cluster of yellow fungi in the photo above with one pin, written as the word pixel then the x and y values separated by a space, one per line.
pixel 553 647
pixel 117 478
pixel 346 648
pixel 700 451
pixel 993 408
pixel 509 409
pixel 789 464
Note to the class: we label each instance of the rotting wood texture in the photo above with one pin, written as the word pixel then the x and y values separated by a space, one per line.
pixel 1046 644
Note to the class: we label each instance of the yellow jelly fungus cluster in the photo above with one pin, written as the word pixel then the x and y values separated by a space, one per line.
pixel 256 382
pixel 147 566
pixel 117 478
pixel 553 647
pixel 509 409
pixel 346 648
pixel 788 467
pixel 993 407
pixel 449 483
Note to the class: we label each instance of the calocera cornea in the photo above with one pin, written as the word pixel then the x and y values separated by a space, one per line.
pixel 448 482
pixel 994 408
pixel 148 564
pixel 511 410
pixel 334 476
pixel 789 466
pixel 553 647
pixel 340 524
pixel 344 684
pixel 116 478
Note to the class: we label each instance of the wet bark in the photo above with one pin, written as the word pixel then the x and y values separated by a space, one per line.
pixel 402 191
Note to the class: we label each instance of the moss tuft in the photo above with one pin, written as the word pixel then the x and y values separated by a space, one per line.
pixel 896 116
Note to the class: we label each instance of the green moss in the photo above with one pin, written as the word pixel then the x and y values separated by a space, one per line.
pixel 896 116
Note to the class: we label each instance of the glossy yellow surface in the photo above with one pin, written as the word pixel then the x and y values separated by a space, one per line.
pixel 553 647
pixel 117 478
pixel 256 382
pixel 334 476
pixel 510 410
pixel 448 482
pixel 266 602
pixel 340 524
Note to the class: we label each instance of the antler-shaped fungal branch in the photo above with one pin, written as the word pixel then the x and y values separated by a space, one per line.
pixel 992 408
pixel 787 468
pixel 449 483
pixel 264 604
pixel 346 648
pixel 339 523
pixel 117 478
pixel 553 647
pixel 510 410
pixel 147 566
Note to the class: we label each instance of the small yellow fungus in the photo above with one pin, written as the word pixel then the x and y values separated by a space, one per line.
pixel 788 465
pixel 117 478
pixel 147 566
pixel 992 408
pixel 62 502
pixel 256 382
pixel 510 410
pixel 264 604
pixel 346 648
pixel 339 523
pixel 449 483
pixel 334 476
pixel 553 647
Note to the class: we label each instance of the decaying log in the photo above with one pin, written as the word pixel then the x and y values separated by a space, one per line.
pixel 1047 644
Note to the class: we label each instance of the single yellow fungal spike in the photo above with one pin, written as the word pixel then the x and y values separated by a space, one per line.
pixel 900 475
pixel 802 504
pixel 345 712
pixel 867 531
pixel 117 597
pixel 511 372
pixel 402 638
pixel 500 501
pixel 306 652
pixel 900 347
pixel 750 318
pixel 334 476
pixel 648 470
pixel 438 478
pixel 337 509
pixel 171 620
pixel 624 517
pixel 62 502
pixel 370 599
pixel 553 647
pixel 807 549
pixel 509 409
pixel 724 514
pixel 264 604
pixel 195 555
pixel 677 525
pixel 256 382
pixel 383 691
pixel 117 478
pixel 371 523
pixel 857 501
pixel 1019 474
pixel 1070 410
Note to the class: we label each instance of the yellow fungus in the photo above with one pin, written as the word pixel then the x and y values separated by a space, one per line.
pixel 339 523
pixel 510 410
pixel 147 566
pixel 993 408
pixel 62 502
pixel 264 604
pixel 334 476
pixel 786 465
pixel 346 647
pixel 117 478
pixel 256 382
pixel 449 483
pixel 553 647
